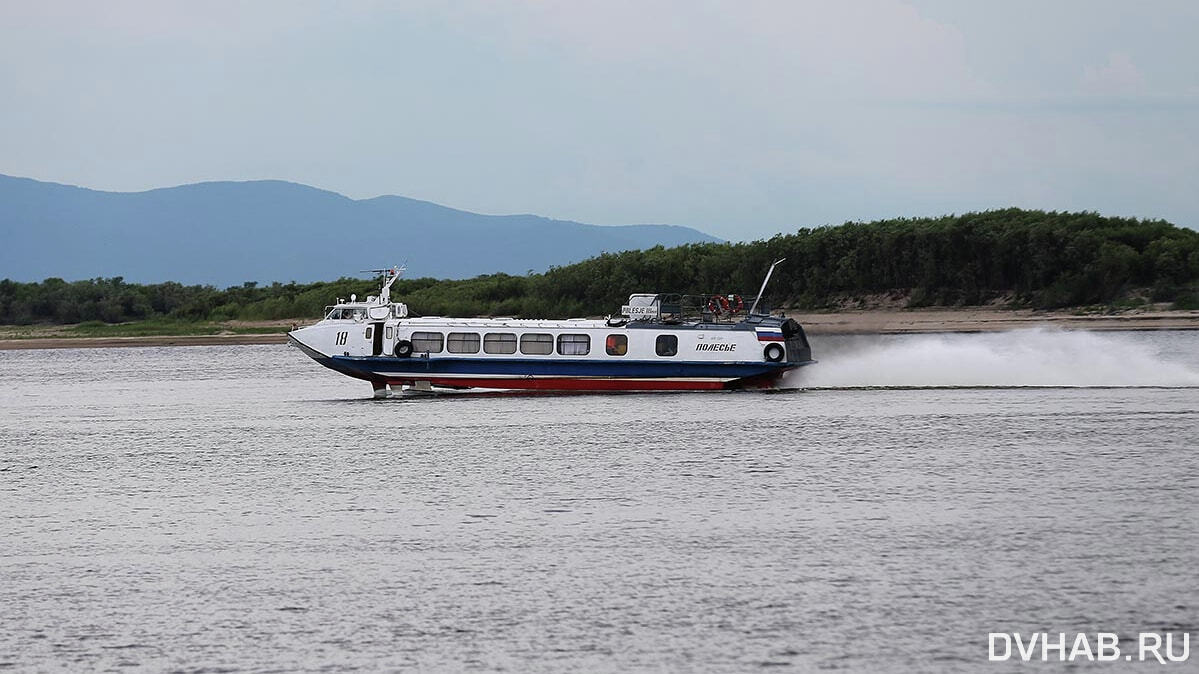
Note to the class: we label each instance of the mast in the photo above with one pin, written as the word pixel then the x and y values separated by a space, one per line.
pixel 390 276
pixel 766 280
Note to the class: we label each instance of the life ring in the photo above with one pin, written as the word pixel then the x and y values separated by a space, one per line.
pixel 719 304
pixel 403 348
pixel 736 304
pixel 774 352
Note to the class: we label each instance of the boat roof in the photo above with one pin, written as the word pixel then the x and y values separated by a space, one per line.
pixel 585 323
pixel 506 322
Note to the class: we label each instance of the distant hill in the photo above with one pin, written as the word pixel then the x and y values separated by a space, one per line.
pixel 225 233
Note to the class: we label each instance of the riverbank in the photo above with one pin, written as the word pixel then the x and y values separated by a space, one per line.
pixel 145 333
pixel 985 319
pixel 859 322
pixel 108 342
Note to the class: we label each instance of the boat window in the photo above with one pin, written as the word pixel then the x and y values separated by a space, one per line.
pixel 499 342
pixel 536 343
pixel 574 345
pixel 388 332
pixel 667 345
pixel 368 332
pixel 426 342
pixel 616 345
pixel 462 342
pixel 338 314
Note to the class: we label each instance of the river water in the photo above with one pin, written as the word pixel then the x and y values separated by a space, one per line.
pixel 241 508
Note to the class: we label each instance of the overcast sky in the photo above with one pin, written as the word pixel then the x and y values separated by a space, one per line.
pixel 740 118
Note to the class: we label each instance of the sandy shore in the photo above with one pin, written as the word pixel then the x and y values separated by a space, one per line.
pixel 878 321
pixel 900 321
pixel 105 342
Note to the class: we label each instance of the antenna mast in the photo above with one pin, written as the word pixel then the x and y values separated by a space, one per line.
pixel 390 276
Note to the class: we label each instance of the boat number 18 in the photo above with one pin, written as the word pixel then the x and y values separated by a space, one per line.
pixel 341 338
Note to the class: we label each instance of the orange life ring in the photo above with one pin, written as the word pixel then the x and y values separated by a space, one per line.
pixel 718 304
pixel 736 304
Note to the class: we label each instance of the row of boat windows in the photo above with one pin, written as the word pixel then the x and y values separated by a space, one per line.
pixel 530 343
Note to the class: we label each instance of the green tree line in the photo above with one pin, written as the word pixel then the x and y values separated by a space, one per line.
pixel 1032 258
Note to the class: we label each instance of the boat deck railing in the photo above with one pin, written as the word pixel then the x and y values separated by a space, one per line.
pixel 679 308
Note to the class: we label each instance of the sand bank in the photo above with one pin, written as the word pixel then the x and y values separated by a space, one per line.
pixel 901 321
pixel 105 342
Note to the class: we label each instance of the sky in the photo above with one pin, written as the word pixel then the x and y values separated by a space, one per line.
pixel 743 119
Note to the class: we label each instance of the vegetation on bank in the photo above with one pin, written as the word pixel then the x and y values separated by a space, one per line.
pixel 1020 257
pixel 167 326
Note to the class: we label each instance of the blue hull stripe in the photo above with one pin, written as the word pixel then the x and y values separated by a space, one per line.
pixel 640 369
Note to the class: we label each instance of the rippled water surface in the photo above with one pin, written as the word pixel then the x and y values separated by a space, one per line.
pixel 242 508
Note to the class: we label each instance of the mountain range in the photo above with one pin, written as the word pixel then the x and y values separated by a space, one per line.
pixel 226 233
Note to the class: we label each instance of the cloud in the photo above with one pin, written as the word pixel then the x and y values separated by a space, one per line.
pixel 1118 76
pixel 863 49
pixel 218 23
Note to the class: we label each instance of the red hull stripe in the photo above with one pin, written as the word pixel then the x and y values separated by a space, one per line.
pixel 768 338
pixel 569 384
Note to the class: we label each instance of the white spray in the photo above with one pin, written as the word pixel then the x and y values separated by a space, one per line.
pixel 1015 358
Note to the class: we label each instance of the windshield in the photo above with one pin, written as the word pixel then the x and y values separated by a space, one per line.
pixel 346 313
